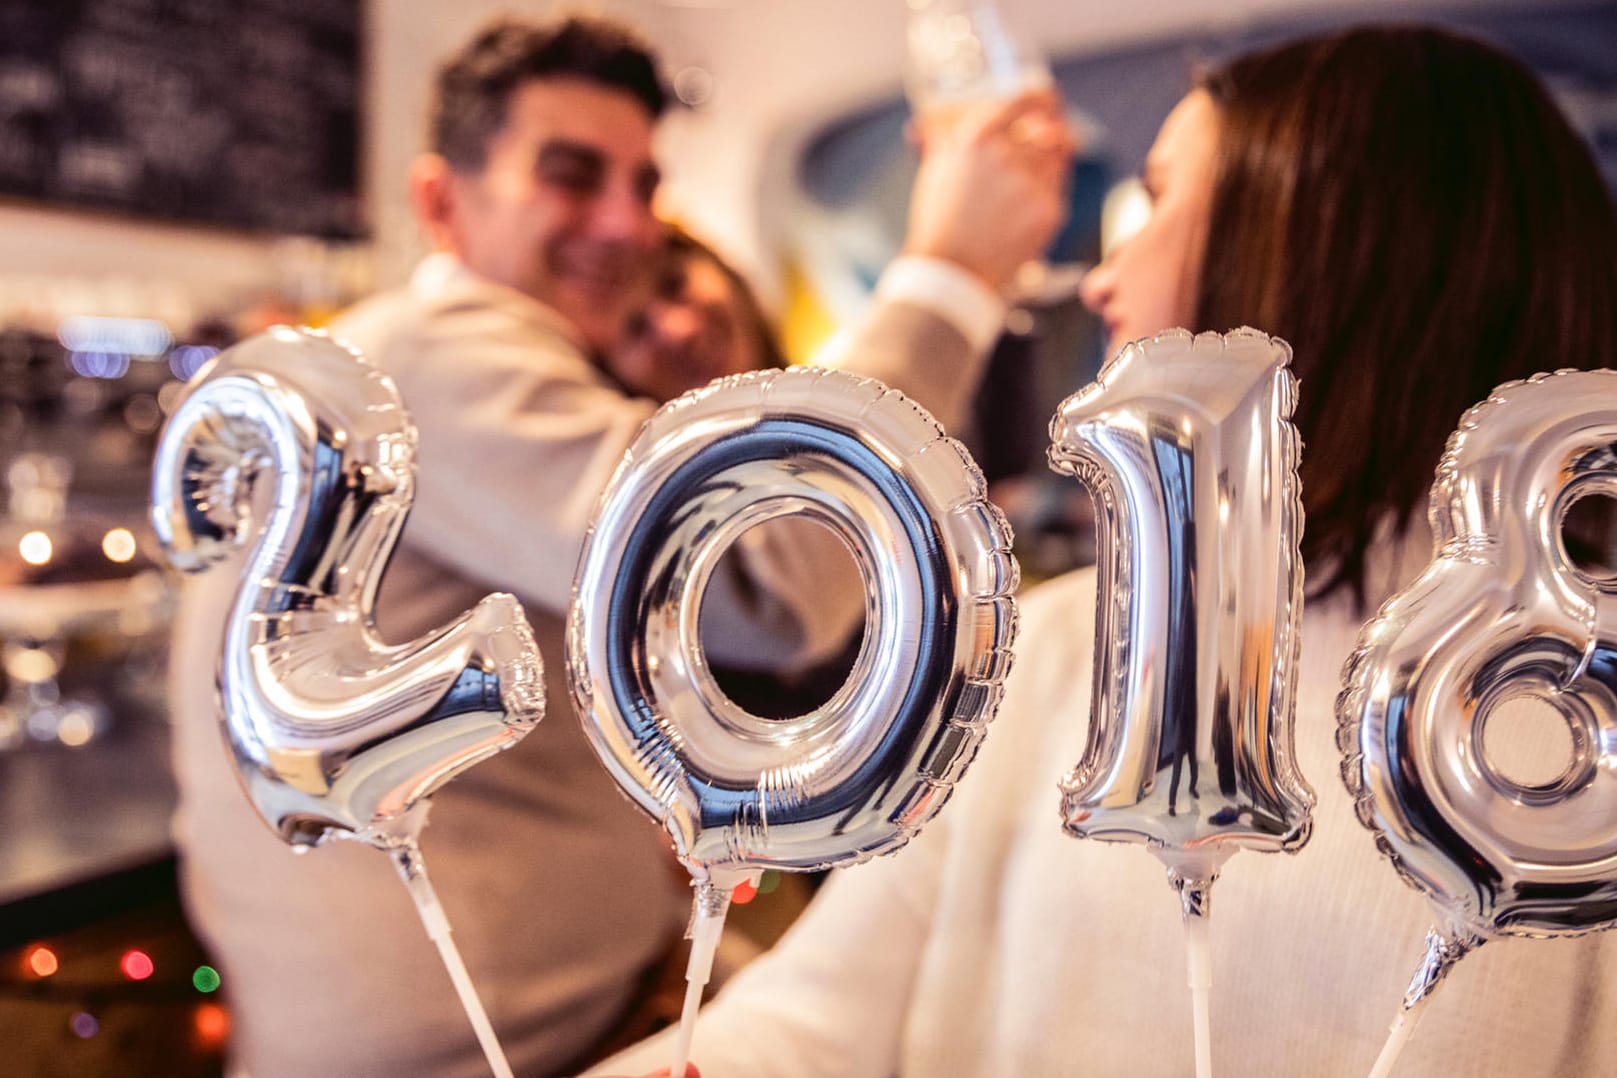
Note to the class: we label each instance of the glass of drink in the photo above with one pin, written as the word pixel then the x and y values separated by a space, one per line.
pixel 960 53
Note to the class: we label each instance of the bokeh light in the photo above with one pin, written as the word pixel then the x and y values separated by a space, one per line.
pixel 84 1025
pixel 35 548
pixel 137 965
pixel 76 727
pixel 206 979
pixel 212 1024
pixel 187 359
pixel 41 961
pixel 142 413
pixel 118 545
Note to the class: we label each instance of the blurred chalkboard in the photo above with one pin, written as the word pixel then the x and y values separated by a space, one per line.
pixel 220 112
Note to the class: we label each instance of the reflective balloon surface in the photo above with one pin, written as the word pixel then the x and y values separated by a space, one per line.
pixel 1510 826
pixel 861 773
pixel 292 443
pixel 1187 447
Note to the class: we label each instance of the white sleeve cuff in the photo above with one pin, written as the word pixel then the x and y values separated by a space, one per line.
pixel 954 294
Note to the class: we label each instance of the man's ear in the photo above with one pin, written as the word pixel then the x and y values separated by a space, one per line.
pixel 432 196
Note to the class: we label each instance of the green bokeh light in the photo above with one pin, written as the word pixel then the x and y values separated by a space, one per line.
pixel 206 978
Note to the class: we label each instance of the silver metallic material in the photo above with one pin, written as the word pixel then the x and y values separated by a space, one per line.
pixel 1501 617
pixel 292 444
pixel 1187 447
pixel 862 773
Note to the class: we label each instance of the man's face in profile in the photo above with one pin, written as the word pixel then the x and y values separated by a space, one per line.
pixel 562 207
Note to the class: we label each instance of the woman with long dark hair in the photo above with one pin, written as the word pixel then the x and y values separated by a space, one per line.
pixel 1409 210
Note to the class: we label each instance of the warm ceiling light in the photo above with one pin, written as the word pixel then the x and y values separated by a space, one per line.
pixel 35 548
pixel 118 545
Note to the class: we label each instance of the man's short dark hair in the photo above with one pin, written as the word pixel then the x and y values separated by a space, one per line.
pixel 474 86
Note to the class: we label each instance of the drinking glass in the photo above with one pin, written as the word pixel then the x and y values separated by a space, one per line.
pixel 961 53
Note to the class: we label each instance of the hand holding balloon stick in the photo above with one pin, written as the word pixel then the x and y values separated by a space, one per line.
pixel 1501 618
pixel 1186 445
pixel 862 773
pixel 333 732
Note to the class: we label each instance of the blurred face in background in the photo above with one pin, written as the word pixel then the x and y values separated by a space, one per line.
pixel 1151 281
pixel 561 209
pixel 697 327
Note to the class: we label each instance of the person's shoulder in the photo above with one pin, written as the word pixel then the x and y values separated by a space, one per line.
pixel 476 323
pixel 471 304
pixel 1058 601
pixel 373 322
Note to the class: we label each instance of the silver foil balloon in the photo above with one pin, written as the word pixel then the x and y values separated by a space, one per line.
pixel 1187 448
pixel 291 443
pixel 1502 619
pixel 1186 445
pixel 860 774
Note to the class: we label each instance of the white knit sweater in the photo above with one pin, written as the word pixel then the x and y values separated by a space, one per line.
pixel 996 945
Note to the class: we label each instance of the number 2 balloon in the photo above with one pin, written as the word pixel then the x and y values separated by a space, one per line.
pixel 332 730
pixel 293 445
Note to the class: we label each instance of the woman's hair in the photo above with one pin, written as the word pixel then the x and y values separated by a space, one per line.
pixel 1409 209
pixel 682 246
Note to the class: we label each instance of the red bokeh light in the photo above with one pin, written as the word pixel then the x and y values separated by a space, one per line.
pixel 136 965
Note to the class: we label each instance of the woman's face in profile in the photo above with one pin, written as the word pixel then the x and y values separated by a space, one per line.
pixel 694 330
pixel 1149 282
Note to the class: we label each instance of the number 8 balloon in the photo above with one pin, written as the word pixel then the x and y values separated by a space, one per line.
pixel 1186 446
pixel 1501 615
pixel 862 773
pixel 333 733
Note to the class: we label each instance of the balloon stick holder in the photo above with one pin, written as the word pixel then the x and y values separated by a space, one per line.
pixel 1192 877
pixel 413 871
pixel 1443 950
pixel 708 909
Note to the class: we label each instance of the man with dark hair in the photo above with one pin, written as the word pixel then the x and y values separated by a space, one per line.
pixel 536 197
pixel 474 87
pixel 541 176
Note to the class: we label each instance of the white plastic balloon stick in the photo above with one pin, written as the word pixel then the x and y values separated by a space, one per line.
pixel 1201 989
pixel 1443 950
pixel 1397 1037
pixel 707 925
pixel 407 859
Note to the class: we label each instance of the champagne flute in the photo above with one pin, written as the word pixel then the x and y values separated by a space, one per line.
pixel 961 53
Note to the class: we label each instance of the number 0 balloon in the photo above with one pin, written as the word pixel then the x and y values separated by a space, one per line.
pixel 333 732
pixel 862 773
pixel 1187 447
pixel 1502 618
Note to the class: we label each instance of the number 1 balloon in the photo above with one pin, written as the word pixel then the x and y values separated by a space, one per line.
pixel 1501 616
pixel 860 774
pixel 292 444
pixel 1186 445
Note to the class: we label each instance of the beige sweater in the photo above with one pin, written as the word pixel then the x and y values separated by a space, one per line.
pixel 995 945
